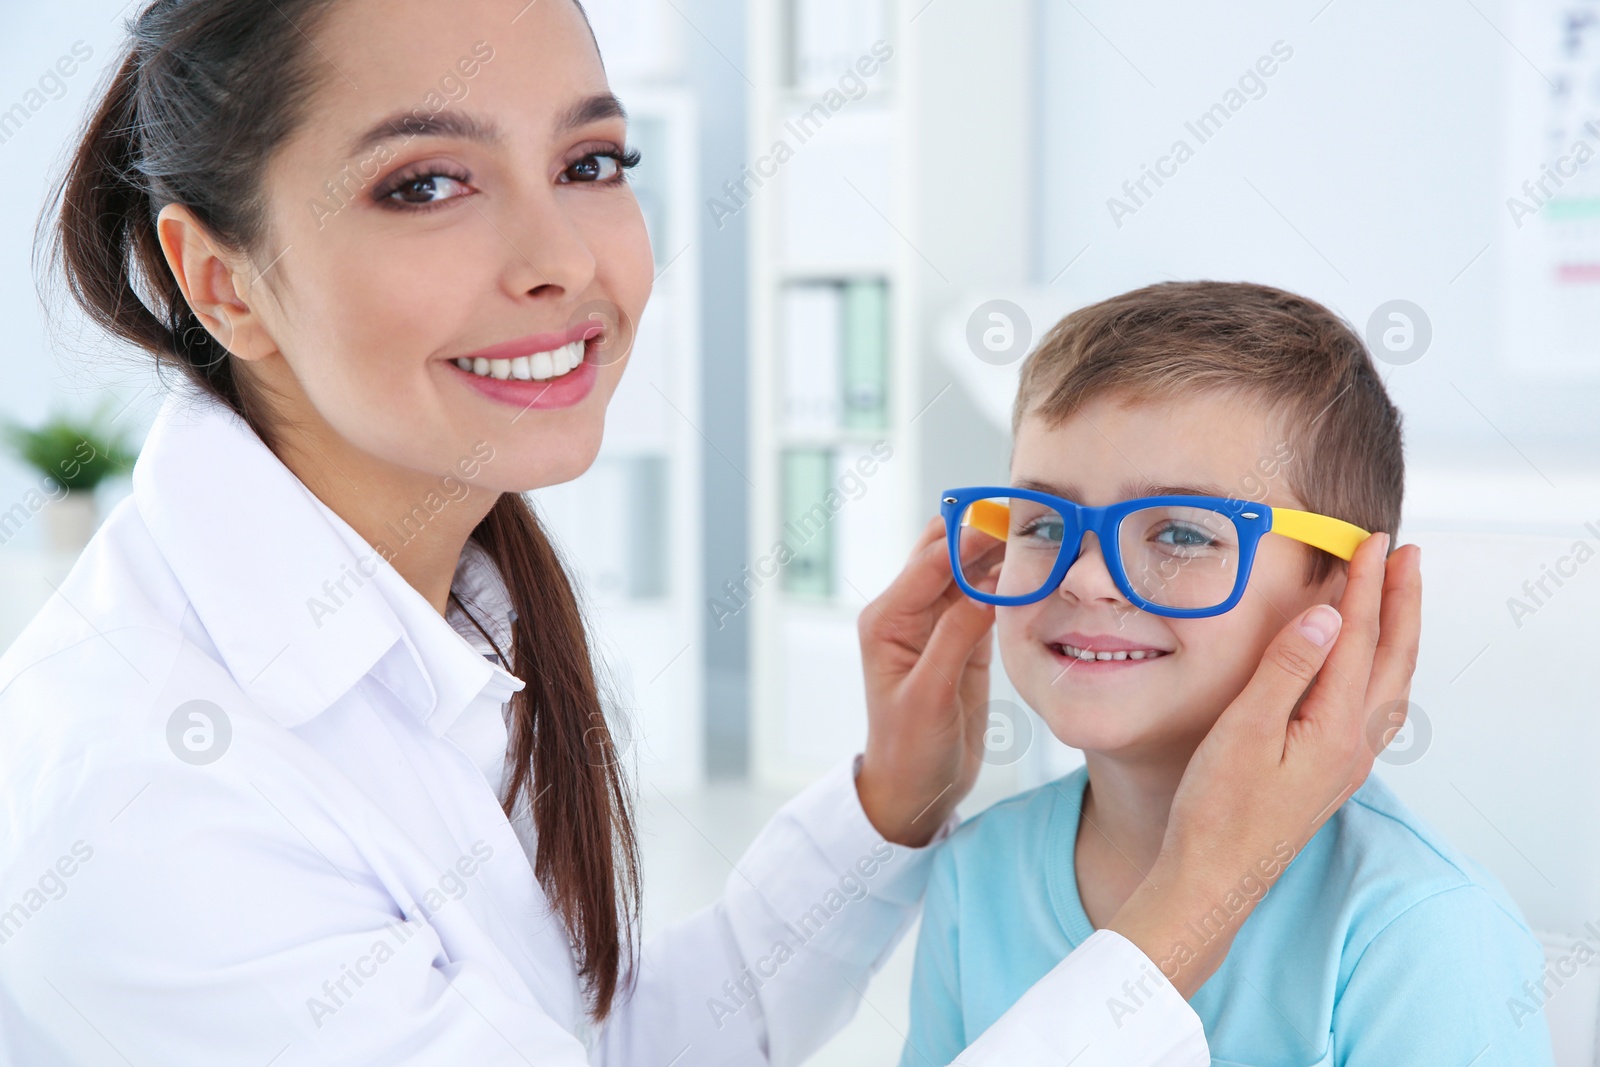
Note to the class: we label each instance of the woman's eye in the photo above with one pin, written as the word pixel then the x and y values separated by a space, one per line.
pixel 424 189
pixel 593 168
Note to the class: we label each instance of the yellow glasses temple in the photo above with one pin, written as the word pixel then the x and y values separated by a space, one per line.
pixel 1319 531
pixel 992 518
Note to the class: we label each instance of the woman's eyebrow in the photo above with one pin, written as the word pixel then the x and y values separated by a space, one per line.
pixel 596 108
pixel 460 124
pixel 469 127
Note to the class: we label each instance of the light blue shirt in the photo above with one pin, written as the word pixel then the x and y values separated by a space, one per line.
pixel 1380 945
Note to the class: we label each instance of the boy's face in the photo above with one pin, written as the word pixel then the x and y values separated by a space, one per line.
pixel 1163 704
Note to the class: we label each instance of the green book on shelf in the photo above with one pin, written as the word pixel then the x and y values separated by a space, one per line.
pixel 866 355
pixel 807 522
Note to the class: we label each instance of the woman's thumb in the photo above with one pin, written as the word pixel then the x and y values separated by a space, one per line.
pixel 1320 625
pixel 1300 650
pixel 1290 663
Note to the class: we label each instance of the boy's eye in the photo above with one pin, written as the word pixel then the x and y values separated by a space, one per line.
pixel 1182 535
pixel 1044 529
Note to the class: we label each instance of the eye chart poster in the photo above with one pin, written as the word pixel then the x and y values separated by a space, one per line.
pixel 1552 188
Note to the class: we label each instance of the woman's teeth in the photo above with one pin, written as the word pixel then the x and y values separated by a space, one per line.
pixel 1073 652
pixel 537 367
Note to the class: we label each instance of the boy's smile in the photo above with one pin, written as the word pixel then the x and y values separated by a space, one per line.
pixel 1106 676
pixel 1080 651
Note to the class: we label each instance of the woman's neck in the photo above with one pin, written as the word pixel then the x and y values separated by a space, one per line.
pixel 1124 820
pixel 418 522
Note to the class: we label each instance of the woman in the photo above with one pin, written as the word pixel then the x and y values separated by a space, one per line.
pixel 263 804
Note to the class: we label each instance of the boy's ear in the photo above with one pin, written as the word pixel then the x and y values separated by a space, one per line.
pixel 1334 584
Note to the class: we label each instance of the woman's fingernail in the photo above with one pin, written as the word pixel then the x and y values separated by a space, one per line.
pixel 1320 624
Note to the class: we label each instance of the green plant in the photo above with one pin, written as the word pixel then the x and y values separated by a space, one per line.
pixel 74 454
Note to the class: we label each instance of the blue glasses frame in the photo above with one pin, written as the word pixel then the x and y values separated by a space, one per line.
pixel 1250 519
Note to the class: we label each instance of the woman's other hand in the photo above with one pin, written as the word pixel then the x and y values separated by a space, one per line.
pixel 926 649
pixel 1278 762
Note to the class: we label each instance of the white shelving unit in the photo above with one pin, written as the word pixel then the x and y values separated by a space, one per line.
pixel 631 526
pixel 895 172
pixel 816 220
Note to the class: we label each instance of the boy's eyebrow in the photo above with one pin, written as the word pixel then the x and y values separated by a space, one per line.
pixel 1129 490
pixel 1174 490
pixel 1066 492
pixel 469 127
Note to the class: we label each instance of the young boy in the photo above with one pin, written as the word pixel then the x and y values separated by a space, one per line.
pixel 1380 945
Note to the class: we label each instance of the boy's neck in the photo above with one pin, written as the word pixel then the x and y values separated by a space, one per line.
pixel 1125 809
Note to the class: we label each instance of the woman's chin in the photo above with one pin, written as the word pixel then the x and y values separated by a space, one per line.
pixel 545 459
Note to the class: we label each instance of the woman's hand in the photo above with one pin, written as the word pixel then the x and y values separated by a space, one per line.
pixel 1277 763
pixel 925 648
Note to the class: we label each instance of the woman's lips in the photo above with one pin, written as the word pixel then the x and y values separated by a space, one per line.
pixel 536 342
pixel 545 394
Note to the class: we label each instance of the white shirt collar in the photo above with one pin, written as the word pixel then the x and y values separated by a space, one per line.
pixel 477 584
pixel 298 605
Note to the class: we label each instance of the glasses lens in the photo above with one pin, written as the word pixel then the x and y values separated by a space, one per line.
pixel 1180 557
pixel 1018 565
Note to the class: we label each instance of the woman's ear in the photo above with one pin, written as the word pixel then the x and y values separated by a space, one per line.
pixel 213 280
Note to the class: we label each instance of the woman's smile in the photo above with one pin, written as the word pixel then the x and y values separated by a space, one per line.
pixel 545 371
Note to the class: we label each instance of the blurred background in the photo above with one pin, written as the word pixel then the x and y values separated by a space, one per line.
pixel 864 212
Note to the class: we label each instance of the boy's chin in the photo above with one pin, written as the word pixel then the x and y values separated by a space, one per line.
pixel 1106 728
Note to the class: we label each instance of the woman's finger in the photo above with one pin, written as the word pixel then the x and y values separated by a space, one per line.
pixel 1400 629
pixel 932 530
pixel 1342 689
pixel 925 579
pixel 956 636
pixel 1288 666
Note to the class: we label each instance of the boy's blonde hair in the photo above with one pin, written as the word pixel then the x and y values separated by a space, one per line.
pixel 1306 365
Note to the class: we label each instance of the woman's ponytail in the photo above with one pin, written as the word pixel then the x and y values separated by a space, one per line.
pixel 105 242
pixel 563 762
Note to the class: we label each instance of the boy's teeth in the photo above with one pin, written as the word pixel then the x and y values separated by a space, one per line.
pixel 537 367
pixel 1086 654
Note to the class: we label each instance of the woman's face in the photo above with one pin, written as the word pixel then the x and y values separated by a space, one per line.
pixel 504 228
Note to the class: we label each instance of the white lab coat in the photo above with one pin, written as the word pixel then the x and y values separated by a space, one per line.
pixel 248 793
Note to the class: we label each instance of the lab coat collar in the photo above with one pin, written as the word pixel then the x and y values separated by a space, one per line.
pixel 298 605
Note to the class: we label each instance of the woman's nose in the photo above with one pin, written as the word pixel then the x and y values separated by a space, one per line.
pixel 548 254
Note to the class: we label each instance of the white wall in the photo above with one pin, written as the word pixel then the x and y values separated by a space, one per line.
pixel 68 365
pixel 1372 168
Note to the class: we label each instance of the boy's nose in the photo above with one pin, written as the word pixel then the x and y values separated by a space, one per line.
pixel 1088 579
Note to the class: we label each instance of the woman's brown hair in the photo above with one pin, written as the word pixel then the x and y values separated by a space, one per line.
pixel 206 91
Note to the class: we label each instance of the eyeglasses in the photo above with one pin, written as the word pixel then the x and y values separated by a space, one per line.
pixel 1183 557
